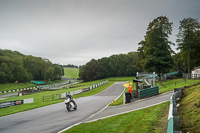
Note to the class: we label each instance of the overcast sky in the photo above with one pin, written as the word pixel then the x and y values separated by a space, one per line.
pixel 76 31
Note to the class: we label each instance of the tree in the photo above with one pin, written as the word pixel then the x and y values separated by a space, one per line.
pixel 88 72
pixel 82 72
pixel 157 50
pixel 131 67
pixel 15 66
pixel 91 70
pixel 103 68
pixel 178 63
pixel 140 55
pixel 187 38
pixel 113 66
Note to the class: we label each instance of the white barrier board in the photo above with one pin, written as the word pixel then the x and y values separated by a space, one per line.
pixel 63 95
pixel 30 100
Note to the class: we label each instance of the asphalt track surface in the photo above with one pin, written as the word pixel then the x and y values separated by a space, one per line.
pixel 133 106
pixel 53 118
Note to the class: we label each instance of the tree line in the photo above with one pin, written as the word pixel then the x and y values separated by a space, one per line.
pixel 113 66
pixel 154 53
pixel 15 66
pixel 70 66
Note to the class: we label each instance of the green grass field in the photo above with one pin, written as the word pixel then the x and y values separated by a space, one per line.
pixel 176 83
pixel 71 72
pixel 148 120
pixel 189 110
pixel 12 86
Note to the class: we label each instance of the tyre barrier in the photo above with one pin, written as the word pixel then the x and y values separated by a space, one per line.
pixel 173 119
pixel 16 90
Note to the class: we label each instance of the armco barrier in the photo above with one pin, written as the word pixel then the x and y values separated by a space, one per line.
pixel 149 92
pixel 173 119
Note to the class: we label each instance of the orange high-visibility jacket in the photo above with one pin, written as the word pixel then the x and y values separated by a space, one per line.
pixel 130 89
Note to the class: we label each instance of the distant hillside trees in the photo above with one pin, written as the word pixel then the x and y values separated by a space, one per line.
pixel 70 66
pixel 155 52
pixel 15 66
pixel 113 66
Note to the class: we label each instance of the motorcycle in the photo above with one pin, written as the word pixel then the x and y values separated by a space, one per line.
pixel 70 103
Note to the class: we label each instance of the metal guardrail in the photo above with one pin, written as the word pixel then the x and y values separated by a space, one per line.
pixel 173 119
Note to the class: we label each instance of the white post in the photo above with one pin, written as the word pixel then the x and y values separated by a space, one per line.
pixel 154 78
pixel 137 74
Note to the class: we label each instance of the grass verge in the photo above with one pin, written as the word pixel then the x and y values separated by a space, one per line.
pixel 175 83
pixel 189 110
pixel 142 121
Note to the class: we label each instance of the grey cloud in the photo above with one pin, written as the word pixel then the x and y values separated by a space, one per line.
pixel 75 31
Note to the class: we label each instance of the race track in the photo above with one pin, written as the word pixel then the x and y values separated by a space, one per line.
pixel 53 118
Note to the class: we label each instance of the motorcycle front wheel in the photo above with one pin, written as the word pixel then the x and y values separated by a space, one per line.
pixel 75 106
pixel 68 106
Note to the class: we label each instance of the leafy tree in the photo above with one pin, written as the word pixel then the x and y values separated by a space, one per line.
pixel 178 63
pixel 157 50
pixel 131 67
pixel 187 37
pixel 91 70
pixel 15 66
pixel 58 71
pixel 115 65
pixel 103 68
pixel 82 72
pixel 140 55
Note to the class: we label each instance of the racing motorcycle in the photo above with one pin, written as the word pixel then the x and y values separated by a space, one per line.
pixel 70 103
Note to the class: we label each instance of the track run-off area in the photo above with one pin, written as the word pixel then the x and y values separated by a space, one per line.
pixel 55 118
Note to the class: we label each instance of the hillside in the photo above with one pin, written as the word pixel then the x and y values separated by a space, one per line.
pixel 71 72
pixel 189 110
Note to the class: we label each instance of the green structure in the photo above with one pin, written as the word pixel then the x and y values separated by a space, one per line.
pixel 148 92
pixel 38 82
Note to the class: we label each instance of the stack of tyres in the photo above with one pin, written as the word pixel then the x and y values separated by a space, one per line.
pixel 128 97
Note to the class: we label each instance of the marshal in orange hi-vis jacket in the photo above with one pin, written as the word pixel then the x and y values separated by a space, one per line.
pixel 130 89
